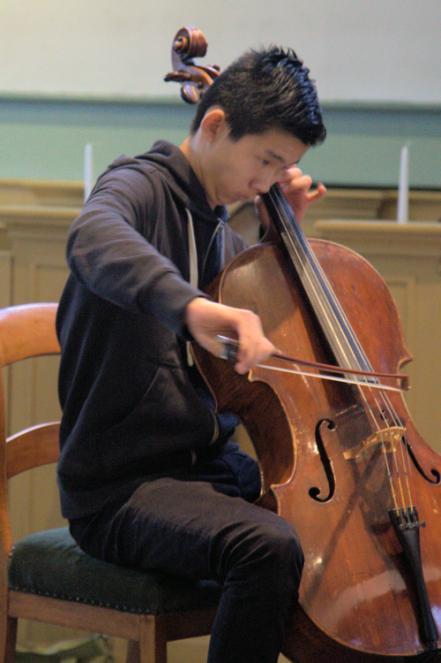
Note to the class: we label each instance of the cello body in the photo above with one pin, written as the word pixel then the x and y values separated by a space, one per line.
pixel 324 468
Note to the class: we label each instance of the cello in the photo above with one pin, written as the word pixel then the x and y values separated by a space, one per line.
pixel 340 457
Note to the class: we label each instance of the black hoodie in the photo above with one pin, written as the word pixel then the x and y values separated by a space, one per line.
pixel 130 403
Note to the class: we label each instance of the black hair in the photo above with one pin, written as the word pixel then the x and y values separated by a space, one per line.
pixel 266 89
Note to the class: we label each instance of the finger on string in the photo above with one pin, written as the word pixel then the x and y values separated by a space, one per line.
pixel 317 193
pixel 302 183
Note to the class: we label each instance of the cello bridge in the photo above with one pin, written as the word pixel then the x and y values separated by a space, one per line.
pixel 386 438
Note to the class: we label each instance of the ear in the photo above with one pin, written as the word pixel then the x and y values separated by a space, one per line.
pixel 214 123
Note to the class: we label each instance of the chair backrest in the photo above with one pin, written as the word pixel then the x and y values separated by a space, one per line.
pixel 25 331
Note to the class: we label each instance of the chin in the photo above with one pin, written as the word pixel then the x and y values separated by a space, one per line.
pixel 234 198
pixel 240 198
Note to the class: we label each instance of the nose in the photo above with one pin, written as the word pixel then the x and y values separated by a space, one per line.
pixel 262 184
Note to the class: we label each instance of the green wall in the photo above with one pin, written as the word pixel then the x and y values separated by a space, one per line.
pixel 44 138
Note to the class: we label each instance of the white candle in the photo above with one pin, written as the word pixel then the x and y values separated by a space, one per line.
pixel 403 186
pixel 88 170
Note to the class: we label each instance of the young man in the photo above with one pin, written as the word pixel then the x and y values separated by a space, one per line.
pixel 148 475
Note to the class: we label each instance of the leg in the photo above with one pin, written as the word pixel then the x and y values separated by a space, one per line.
pixel 192 529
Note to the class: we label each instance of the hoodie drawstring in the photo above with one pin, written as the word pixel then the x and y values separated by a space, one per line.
pixel 194 272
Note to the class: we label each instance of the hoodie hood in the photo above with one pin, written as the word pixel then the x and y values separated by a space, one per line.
pixel 180 176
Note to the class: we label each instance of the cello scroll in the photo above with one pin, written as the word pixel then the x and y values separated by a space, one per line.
pixel 195 79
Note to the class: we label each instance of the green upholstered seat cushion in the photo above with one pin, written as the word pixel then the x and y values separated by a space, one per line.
pixel 50 563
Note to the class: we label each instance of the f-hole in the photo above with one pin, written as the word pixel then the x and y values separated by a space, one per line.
pixel 315 492
pixel 435 474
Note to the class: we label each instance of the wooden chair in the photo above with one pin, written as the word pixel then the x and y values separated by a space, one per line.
pixel 45 576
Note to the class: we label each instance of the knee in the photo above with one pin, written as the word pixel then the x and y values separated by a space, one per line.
pixel 275 555
pixel 283 550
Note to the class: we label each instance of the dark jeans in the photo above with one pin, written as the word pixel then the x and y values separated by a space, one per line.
pixel 199 523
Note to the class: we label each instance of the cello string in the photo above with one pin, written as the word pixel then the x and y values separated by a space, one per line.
pixel 307 264
pixel 402 472
pixel 327 321
pixel 349 358
pixel 301 258
pixel 403 459
pixel 310 261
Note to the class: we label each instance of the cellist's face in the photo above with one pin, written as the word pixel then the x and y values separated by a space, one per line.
pixel 235 170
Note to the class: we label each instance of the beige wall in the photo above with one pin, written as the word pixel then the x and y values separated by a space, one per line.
pixel 108 48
